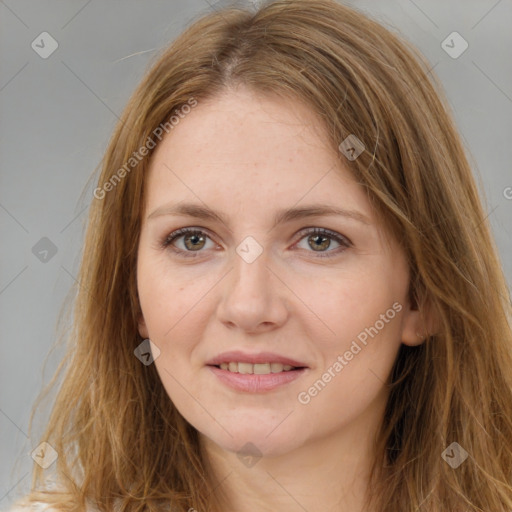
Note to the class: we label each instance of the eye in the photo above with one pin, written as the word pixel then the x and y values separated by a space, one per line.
pixel 195 239
pixel 320 238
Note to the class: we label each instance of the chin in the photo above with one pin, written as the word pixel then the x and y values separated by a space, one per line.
pixel 255 441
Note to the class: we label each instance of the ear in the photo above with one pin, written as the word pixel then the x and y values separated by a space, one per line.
pixel 419 322
pixel 143 330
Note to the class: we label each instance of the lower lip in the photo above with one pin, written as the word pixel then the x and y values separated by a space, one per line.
pixel 254 383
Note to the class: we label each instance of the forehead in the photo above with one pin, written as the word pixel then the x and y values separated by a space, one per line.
pixel 245 151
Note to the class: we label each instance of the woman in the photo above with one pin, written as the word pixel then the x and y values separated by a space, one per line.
pixel 289 297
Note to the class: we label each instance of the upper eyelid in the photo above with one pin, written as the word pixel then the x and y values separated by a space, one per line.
pixel 301 233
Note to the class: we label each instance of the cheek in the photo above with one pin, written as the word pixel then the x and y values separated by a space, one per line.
pixel 350 304
pixel 168 297
pixel 355 361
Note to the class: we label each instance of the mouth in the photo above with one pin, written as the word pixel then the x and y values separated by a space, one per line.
pixel 255 373
pixel 257 368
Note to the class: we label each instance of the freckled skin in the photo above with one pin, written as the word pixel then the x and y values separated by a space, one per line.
pixel 226 154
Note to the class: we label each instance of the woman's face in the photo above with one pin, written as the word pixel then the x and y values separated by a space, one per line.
pixel 325 293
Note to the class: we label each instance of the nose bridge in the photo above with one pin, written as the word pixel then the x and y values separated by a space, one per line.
pixel 251 268
pixel 252 295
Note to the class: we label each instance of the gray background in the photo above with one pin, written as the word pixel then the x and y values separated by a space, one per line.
pixel 57 115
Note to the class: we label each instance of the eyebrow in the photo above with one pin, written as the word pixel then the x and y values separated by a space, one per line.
pixel 281 216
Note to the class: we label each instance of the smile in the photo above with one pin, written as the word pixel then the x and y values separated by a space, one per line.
pixel 252 381
pixel 258 369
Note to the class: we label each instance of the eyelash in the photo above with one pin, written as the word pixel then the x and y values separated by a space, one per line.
pixel 344 242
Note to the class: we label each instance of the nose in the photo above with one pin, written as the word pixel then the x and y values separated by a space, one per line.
pixel 254 298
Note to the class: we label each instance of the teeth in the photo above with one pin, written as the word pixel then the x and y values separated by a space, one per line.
pixel 262 369
pixel 278 367
pixel 245 368
pixel 258 369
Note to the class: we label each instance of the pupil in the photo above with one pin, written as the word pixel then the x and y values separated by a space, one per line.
pixel 318 240
pixel 194 240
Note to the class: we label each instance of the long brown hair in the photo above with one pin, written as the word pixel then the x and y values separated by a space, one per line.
pixel 118 435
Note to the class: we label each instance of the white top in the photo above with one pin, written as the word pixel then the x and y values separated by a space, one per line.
pixel 38 506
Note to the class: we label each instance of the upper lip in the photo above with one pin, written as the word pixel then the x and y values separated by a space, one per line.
pixel 260 357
